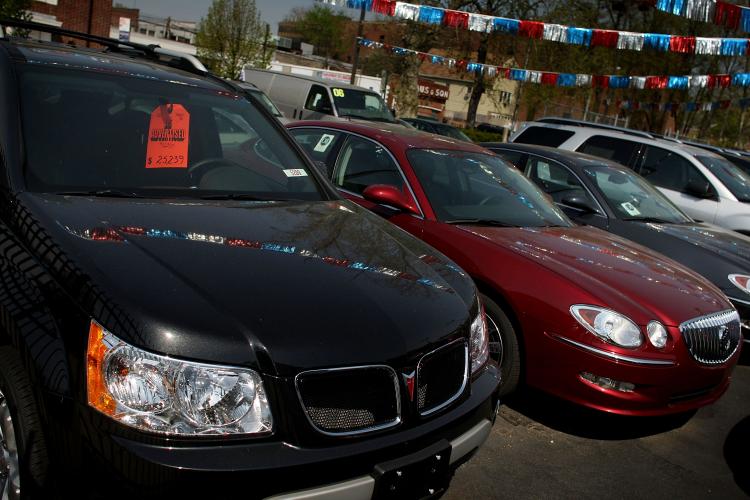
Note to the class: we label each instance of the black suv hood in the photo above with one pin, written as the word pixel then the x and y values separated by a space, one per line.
pixel 709 250
pixel 305 285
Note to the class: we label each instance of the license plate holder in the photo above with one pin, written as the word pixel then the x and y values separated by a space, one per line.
pixel 423 474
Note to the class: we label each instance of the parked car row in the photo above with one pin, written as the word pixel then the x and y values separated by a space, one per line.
pixel 196 299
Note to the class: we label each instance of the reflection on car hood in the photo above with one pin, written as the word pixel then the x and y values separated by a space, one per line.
pixel 302 284
pixel 621 274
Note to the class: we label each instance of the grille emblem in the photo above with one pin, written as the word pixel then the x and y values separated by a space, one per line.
pixel 724 337
pixel 409 381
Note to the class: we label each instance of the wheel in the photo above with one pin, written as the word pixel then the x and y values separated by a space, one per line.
pixel 23 454
pixel 503 346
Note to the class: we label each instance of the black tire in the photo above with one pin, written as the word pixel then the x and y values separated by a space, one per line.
pixel 19 396
pixel 503 346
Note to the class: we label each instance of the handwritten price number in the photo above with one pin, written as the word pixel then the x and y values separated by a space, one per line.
pixel 167 160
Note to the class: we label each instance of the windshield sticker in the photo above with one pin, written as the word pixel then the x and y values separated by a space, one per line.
pixel 168 137
pixel 325 141
pixel 295 172
pixel 339 93
pixel 630 209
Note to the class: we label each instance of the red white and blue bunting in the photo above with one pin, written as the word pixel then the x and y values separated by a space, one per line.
pixel 717 12
pixel 587 37
pixel 683 82
pixel 690 107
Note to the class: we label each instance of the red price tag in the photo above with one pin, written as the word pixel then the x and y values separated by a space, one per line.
pixel 168 137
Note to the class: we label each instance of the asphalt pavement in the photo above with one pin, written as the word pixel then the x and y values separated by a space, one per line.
pixel 541 447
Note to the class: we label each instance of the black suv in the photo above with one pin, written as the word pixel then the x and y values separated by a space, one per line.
pixel 188 307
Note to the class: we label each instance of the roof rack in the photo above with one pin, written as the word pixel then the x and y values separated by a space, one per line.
pixel 581 123
pixel 180 60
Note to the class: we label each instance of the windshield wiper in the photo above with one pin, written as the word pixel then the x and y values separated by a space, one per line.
pixel 235 196
pixel 656 220
pixel 103 193
pixel 480 222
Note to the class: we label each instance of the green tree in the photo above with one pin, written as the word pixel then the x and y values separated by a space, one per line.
pixel 232 36
pixel 323 28
pixel 15 9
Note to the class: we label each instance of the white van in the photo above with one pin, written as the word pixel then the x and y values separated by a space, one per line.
pixel 308 98
pixel 703 184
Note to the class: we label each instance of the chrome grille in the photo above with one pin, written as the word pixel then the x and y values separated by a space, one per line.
pixel 714 338
pixel 346 401
pixel 442 376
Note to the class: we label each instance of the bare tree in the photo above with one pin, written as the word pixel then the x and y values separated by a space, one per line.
pixel 231 36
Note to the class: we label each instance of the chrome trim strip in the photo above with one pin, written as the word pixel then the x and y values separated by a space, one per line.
pixel 470 440
pixel 365 430
pixel 467 367
pixel 363 487
pixel 734 299
pixel 615 356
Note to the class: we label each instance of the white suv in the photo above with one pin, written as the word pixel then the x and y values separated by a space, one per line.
pixel 703 184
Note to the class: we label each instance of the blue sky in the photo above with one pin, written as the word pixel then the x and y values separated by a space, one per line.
pixel 272 11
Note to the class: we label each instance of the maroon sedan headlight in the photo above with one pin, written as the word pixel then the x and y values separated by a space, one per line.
pixel 608 325
pixel 479 347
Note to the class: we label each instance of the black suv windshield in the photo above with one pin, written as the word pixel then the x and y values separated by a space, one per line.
pixel 480 188
pixel 631 197
pixel 91 132
pixel 361 104
pixel 733 177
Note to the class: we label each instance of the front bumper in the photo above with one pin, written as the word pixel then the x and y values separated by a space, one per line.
pixel 673 383
pixel 125 465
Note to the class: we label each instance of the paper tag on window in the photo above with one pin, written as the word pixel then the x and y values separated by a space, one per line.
pixel 630 208
pixel 295 172
pixel 168 137
pixel 323 143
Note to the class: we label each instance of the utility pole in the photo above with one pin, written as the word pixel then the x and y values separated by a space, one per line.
pixel 355 63
pixel 265 44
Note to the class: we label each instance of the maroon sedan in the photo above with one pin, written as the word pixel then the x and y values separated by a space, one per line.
pixel 575 311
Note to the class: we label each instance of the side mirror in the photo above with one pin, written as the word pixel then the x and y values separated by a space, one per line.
pixel 579 203
pixel 699 189
pixel 390 195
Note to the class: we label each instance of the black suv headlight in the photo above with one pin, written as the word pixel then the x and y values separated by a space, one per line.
pixel 479 347
pixel 165 395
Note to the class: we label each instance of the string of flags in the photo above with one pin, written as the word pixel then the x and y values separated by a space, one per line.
pixel 721 13
pixel 571 79
pixel 587 37
pixel 690 107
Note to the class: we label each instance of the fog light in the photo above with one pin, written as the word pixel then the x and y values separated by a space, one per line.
pixel 657 334
pixel 608 383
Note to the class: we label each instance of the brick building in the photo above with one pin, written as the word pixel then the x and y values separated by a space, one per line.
pixel 87 16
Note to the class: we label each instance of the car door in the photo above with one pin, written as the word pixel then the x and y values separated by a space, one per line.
pixel 563 185
pixel 672 174
pixel 318 104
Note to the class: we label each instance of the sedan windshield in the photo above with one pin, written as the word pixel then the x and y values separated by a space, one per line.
pixel 733 177
pixel 465 187
pixel 109 134
pixel 631 197
pixel 361 104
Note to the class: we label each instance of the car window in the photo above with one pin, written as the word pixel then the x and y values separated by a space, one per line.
pixel 86 131
pixel 543 136
pixel 361 104
pixel 319 144
pixel 318 100
pixel 363 163
pixel 464 186
pixel 733 177
pixel 611 148
pixel 266 102
pixel 452 132
pixel 667 169
pixel 515 158
pixel 631 197
pixel 555 179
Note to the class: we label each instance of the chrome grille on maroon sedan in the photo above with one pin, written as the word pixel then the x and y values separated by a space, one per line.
pixel 345 401
pixel 714 338
pixel 442 376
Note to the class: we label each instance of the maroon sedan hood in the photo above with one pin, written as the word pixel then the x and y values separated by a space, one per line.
pixel 620 273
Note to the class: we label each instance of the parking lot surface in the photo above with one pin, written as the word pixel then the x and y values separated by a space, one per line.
pixel 544 448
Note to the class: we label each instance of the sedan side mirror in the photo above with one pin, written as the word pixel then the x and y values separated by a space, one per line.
pixel 579 203
pixel 700 189
pixel 390 195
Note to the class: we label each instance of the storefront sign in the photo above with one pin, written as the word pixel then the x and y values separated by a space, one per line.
pixel 433 90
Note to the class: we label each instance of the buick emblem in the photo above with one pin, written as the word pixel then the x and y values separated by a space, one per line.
pixel 409 382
